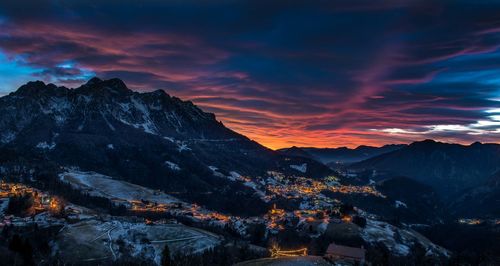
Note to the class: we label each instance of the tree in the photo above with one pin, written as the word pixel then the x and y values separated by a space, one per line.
pixel 346 209
pixel 165 259
pixel 27 253
pixel 257 233
pixel 24 248
pixel 360 221
pixel 16 243
pixel 20 205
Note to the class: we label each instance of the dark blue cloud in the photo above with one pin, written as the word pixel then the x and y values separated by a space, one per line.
pixel 313 72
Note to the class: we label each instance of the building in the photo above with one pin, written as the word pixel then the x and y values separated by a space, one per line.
pixel 336 252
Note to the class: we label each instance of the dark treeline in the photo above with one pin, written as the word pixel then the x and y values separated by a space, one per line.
pixel 26 245
pixel 19 205
pixel 224 254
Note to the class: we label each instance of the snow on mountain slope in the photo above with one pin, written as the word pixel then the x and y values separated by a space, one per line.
pixel 104 186
pixel 112 102
pixel 301 168
pixel 104 127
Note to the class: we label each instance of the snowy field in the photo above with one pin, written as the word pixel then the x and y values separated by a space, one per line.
pixel 104 186
pixel 399 241
pixel 101 241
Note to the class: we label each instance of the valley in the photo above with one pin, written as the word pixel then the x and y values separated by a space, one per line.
pixel 150 219
pixel 101 174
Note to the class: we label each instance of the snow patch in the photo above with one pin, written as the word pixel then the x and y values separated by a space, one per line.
pixel 145 122
pixel 46 146
pixel 215 171
pixel 182 146
pixel 385 233
pixel 169 139
pixel 234 176
pixel 301 168
pixel 399 241
pixel 148 125
pixel 104 186
pixel 172 166
pixel 7 136
pixel 400 204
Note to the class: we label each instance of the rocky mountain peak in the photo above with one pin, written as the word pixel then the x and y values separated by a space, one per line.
pixel 99 86
pixel 101 106
pixel 38 89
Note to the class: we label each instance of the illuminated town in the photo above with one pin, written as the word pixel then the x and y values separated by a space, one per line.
pixel 41 202
pixel 315 212
pixel 311 212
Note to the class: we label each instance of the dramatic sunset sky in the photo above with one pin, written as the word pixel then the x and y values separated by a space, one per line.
pixel 307 73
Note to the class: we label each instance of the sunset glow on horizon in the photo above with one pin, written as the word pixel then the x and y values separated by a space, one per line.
pixel 312 74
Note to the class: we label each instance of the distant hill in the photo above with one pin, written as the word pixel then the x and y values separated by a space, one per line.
pixel 340 155
pixel 415 200
pixel 480 201
pixel 448 168
pixel 297 152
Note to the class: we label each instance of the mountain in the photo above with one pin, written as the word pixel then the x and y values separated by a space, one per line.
pixel 150 138
pixel 296 152
pixel 480 201
pixel 413 200
pixel 448 168
pixel 340 155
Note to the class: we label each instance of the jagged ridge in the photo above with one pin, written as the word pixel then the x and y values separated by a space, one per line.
pixel 151 139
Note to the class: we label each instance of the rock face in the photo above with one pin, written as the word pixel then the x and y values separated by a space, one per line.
pixel 105 127
pixel 106 107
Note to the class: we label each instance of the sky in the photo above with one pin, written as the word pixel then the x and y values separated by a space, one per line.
pixel 305 73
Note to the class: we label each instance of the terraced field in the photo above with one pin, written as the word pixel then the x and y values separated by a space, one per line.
pixel 96 240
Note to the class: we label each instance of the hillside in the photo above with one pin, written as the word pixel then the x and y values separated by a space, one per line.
pixel 340 155
pixel 448 168
pixel 480 201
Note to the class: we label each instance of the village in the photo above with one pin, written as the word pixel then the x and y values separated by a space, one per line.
pixel 41 203
pixel 315 210
pixel 49 210
pixel 314 215
pixel 477 221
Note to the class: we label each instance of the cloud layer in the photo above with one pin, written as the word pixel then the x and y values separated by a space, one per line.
pixel 316 73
